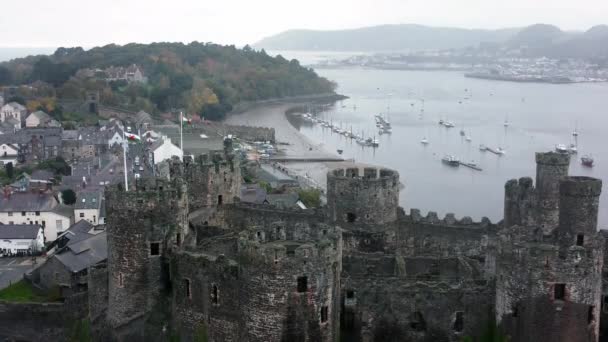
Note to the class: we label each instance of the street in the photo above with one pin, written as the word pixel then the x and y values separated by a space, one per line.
pixel 12 269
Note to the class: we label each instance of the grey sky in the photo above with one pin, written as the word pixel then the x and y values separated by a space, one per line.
pixel 88 23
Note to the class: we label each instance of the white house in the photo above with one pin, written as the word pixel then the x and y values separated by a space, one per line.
pixel 164 149
pixel 20 238
pixel 88 207
pixel 40 119
pixel 13 110
pixel 35 209
pixel 9 153
pixel 117 138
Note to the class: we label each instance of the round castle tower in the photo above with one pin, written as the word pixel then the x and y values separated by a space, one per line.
pixel 550 168
pixel 291 278
pixel 363 195
pixel 579 205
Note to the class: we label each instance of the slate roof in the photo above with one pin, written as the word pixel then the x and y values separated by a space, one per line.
pixel 83 254
pixel 79 231
pixel 252 193
pixel 142 117
pixel 42 175
pixel 28 202
pixel 16 106
pixel 19 231
pixel 283 200
pixel 88 200
pixel 69 135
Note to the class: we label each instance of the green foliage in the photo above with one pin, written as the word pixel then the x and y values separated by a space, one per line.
pixel 491 333
pixel 22 291
pixel 20 100
pixel 81 331
pixel 58 165
pixel 206 79
pixel 266 186
pixel 310 197
pixel 5 76
pixel 68 196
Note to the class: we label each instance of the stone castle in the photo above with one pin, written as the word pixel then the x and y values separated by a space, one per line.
pixel 187 259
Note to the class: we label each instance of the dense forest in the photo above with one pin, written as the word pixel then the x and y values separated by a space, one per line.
pixel 206 79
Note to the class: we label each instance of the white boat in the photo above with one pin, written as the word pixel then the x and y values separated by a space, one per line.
pixel 448 124
pixel 424 141
pixel 561 148
pixel 572 149
pixel 483 148
pixel 506 123
pixel 462 133
pixel 450 160
pixel 467 138
pixel 587 160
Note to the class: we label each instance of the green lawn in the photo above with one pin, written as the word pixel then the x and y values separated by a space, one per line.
pixel 22 291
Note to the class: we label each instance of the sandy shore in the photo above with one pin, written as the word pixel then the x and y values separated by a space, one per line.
pixel 299 145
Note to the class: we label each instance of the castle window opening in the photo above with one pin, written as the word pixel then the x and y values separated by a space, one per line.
pixel 215 294
pixel 220 200
pixel 187 288
pixel 417 322
pixel 605 304
pixel 350 294
pixel 559 291
pixel 323 314
pixel 514 311
pixel 580 239
pixel 458 322
pixel 351 217
pixel 178 239
pixel 154 248
pixel 590 314
pixel 302 284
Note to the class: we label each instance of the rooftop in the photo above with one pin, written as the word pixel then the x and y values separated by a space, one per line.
pixel 88 200
pixel 83 254
pixel 28 202
pixel 19 231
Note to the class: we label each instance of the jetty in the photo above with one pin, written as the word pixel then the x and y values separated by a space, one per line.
pixel 471 166
pixel 306 160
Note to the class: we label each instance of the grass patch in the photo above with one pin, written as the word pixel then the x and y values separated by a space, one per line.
pixel 23 291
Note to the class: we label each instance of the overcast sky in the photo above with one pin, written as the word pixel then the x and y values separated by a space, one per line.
pixel 91 23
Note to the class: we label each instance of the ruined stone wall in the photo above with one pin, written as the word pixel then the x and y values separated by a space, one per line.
pixel 142 226
pixel 213 179
pixel 418 299
pixel 363 196
pixel 520 203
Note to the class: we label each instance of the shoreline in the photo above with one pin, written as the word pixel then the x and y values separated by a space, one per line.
pixel 299 145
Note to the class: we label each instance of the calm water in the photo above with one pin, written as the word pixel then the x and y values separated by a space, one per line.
pixel 540 116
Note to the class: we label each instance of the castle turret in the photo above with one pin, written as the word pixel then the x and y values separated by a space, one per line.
pixel 142 226
pixel 578 207
pixel 366 196
pixel 519 202
pixel 550 168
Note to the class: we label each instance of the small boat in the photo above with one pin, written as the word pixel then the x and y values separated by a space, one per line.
pixel 462 133
pixel 572 149
pixel 441 121
pixel 483 148
pixel 424 141
pixel 575 133
pixel 450 160
pixel 339 151
pixel 467 138
pixel 561 148
pixel 506 123
pixel 587 160
pixel 448 124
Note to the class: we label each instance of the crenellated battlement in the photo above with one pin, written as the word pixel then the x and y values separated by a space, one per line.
pixel 448 220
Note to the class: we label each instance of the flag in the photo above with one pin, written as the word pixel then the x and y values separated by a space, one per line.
pixel 133 137
pixel 187 120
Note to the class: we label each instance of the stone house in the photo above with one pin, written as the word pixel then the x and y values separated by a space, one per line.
pixel 68 267
pixel 35 209
pixel 20 238
pixel 9 149
pixel 39 143
pixel 163 149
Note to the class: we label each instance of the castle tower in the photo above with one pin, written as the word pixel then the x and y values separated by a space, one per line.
pixel 142 226
pixel 365 196
pixel 550 168
pixel 519 202
pixel 579 205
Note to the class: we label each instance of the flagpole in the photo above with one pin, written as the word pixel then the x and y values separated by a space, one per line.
pixel 181 131
pixel 124 159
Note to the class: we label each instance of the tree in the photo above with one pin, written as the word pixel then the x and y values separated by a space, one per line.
pixel 10 170
pixel 5 76
pixel 68 196
pixel 310 197
pixel 58 165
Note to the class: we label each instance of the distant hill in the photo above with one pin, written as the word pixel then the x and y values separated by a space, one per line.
pixel 534 40
pixel 384 38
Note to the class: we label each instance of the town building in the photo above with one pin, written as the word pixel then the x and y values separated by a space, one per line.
pixel 15 111
pixel 21 239
pixel 163 149
pixel 41 119
pixel 9 149
pixel 88 206
pixel 35 209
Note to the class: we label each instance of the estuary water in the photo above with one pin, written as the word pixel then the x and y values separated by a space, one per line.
pixel 539 116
